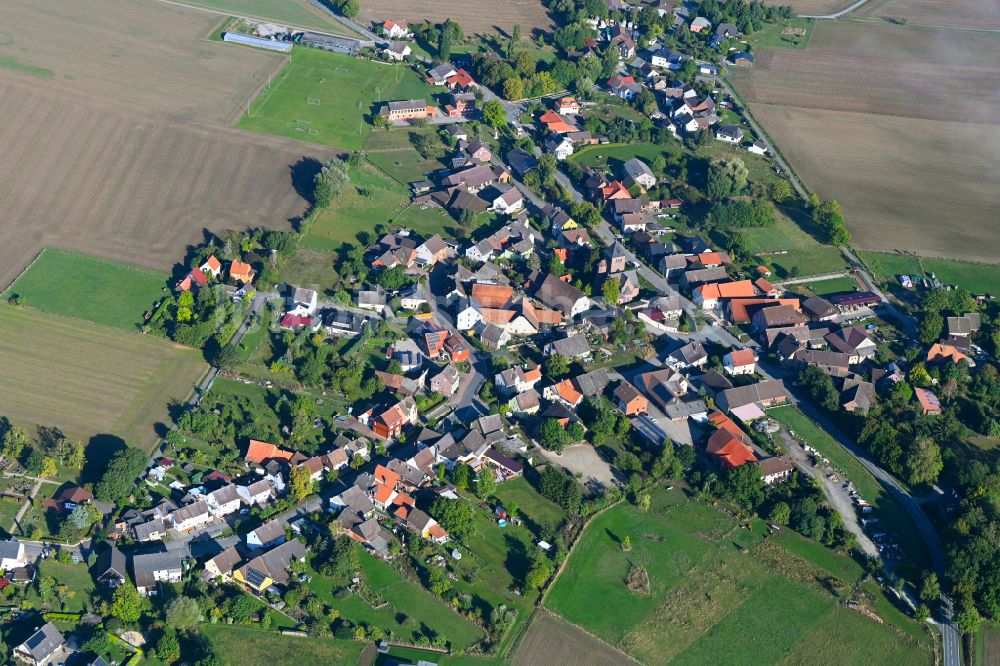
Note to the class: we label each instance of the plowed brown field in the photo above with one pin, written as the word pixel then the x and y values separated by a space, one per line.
pixel 80 176
pixel 114 122
pixel 957 13
pixel 900 124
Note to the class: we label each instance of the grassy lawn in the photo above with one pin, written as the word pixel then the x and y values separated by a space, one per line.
pixel 75 577
pixel 392 151
pixel 977 278
pixel 530 505
pixel 718 592
pixel 89 288
pixel 90 380
pixel 747 634
pixel 371 198
pixel 311 268
pixel 617 153
pixel 294 12
pixel 987 645
pixel 893 517
pixel 827 287
pixel 240 645
pixel 771 37
pixel 803 262
pixel 411 610
pixel 330 98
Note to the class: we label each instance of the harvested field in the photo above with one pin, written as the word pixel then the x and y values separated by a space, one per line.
pixel 81 176
pixel 882 169
pixel 150 55
pixel 88 379
pixel 551 640
pixel 955 13
pixel 297 13
pixel 859 67
pixel 477 17
pixel 812 7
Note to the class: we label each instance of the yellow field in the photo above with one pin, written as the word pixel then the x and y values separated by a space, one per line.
pixel 88 379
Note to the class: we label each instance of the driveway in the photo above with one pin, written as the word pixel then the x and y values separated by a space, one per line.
pixel 582 460
pixel 832 484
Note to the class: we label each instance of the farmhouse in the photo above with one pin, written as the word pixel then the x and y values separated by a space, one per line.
pixel 729 134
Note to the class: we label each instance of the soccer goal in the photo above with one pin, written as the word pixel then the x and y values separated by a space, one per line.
pixel 313 101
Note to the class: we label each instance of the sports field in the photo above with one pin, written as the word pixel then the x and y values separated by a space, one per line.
pixel 89 288
pixel 898 123
pixel 330 98
pixel 88 379
pixel 719 593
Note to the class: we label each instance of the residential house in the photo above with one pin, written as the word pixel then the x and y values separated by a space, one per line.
pixel 343 323
pixel 261 452
pixel 740 362
pixel 855 300
pixel 223 564
pixel 408 353
pixel 525 403
pixel 729 134
pixel 241 272
pixel 614 259
pixel 624 87
pixel 440 74
pixel 858 396
pixel 11 554
pixel 559 145
pixel 111 569
pixel 476 178
pixel 775 469
pixel 431 251
pixel 728 445
pixel 269 534
pixel 742 59
pixel 700 24
pixel 768 393
pixel 638 173
pixel 397 51
pixel 494 337
pixel 457 348
pixel 45 646
pixel 191 517
pixel 517 379
pixel 149 569
pixel 553 123
pixel 964 326
pixel 508 200
pixel 712 294
pixel 628 399
pixel 928 401
pixel 852 341
pixel 272 567
pixel 224 501
pixel 413 297
pixel 941 353
pixel 561 295
pixel 396 29
pixel 391 422
pixel 564 392
pixel 620 36
pixel 446 382
pixel 691 355
pixel 727 31
pixel 257 493
pixel 301 302
pixel 573 347
pixel 567 106
pixel 521 161
pixel 664 387
pixel 832 363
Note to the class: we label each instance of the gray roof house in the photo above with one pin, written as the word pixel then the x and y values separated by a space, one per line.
pixel 148 569
pixel 638 172
pixel 574 346
pixel 42 647
pixel 111 569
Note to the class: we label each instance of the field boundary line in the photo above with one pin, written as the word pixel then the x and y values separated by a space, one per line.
pixel 592 635
pixel 252 98
pixel 23 271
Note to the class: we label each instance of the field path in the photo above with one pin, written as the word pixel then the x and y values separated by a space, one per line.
pixel 837 15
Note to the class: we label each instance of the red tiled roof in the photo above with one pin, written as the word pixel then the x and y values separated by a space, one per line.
pixel 492 295
pixel 386 476
pixel 742 357
pixel 259 452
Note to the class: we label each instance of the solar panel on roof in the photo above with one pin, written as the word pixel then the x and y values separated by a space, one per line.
pixel 255 577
